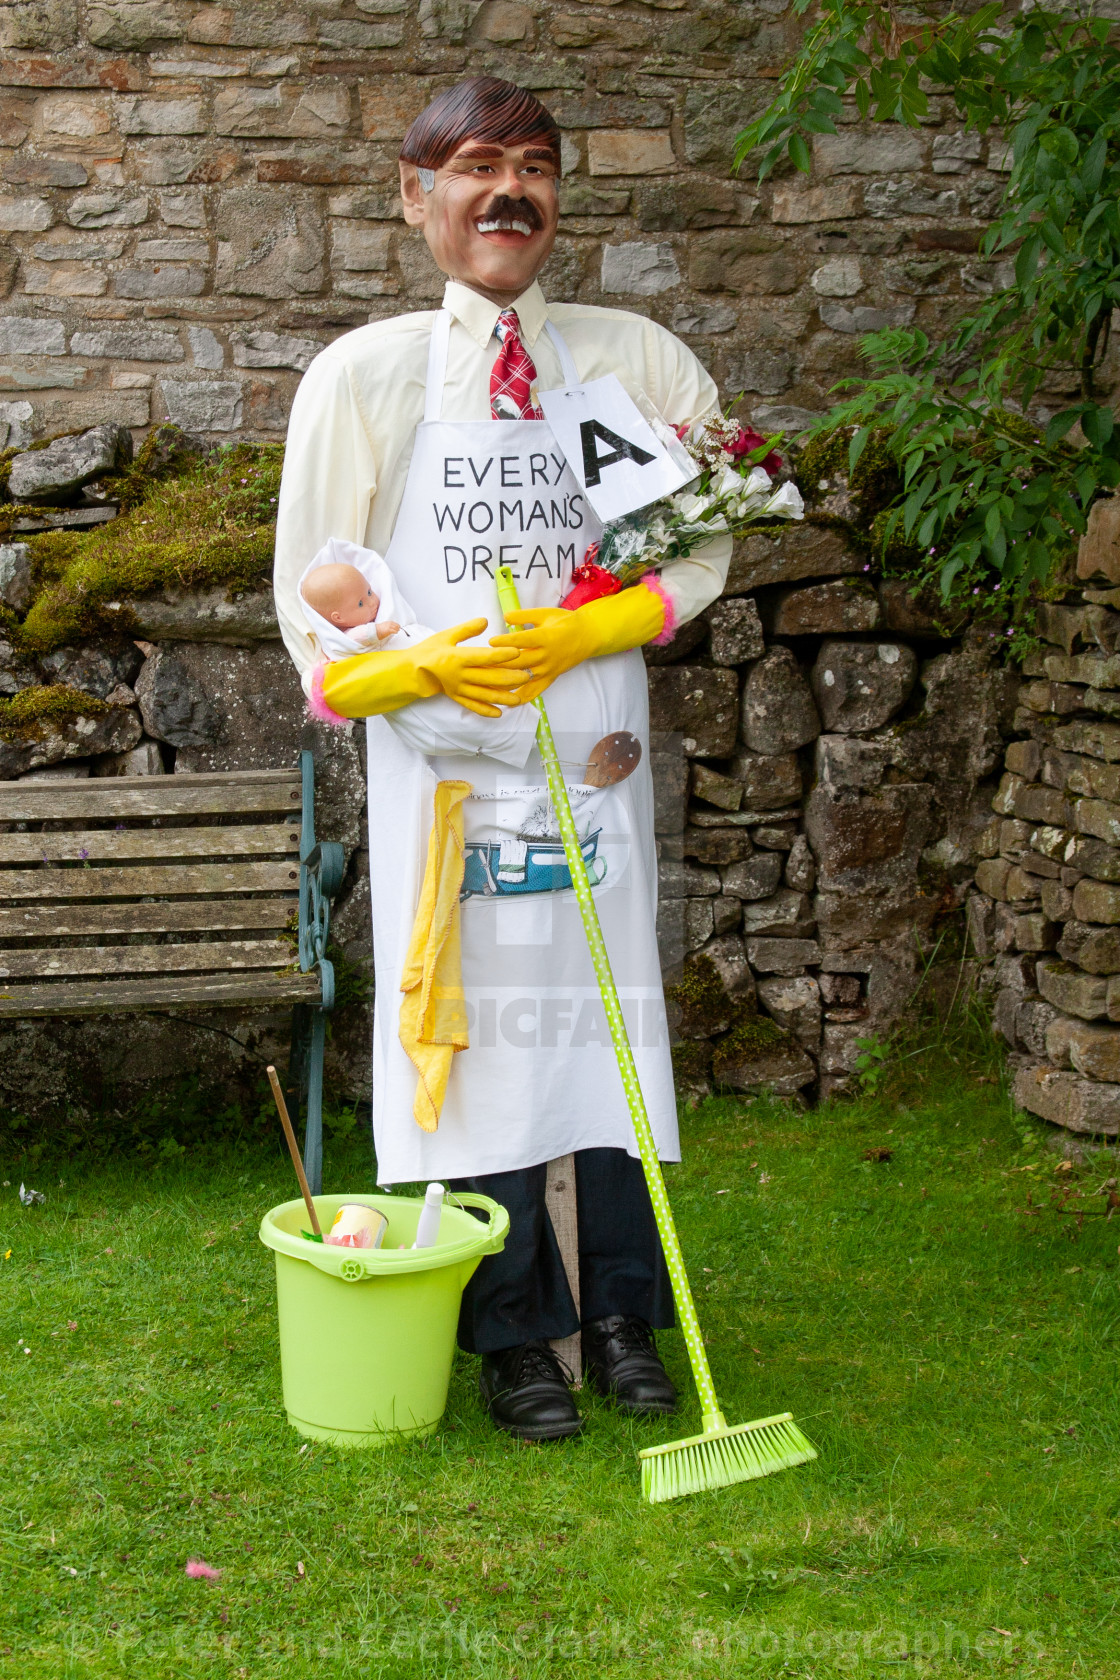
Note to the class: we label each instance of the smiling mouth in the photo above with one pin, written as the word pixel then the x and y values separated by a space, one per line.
pixel 505 224
pixel 504 215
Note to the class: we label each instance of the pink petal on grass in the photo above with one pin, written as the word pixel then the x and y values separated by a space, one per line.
pixel 199 1571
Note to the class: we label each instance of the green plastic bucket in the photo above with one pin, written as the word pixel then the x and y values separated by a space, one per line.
pixel 367 1335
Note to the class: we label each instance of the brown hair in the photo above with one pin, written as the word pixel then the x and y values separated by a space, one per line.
pixel 483 108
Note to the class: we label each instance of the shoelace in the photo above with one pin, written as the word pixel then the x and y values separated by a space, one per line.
pixel 634 1336
pixel 538 1361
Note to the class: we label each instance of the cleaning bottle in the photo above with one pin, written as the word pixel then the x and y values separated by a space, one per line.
pixel 427 1230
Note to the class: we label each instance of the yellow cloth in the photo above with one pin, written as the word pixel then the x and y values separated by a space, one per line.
pixel 433 1023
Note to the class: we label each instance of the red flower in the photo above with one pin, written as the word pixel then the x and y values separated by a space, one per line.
pixel 590 582
pixel 749 439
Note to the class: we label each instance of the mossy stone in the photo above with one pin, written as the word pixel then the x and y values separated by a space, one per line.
pixel 200 522
pixel 21 716
pixel 700 1000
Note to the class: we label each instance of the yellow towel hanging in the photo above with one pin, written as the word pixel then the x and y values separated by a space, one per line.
pixel 433 1020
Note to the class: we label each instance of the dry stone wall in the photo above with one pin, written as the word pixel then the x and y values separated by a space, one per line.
pixel 196 197
pixel 823 750
pixel 1046 909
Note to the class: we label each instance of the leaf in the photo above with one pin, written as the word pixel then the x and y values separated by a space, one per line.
pixel 1097 424
pixel 1027 260
pixel 948 572
pixel 1061 423
pixel 1053 237
pixel 824 99
pixel 857 446
pixel 1092 165
pixel 799 153
pixel 1062 144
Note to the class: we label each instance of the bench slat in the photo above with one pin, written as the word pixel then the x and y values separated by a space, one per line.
pixel 217 955
pixel 60 921
pixel 105 997
pixel 150 796
pixel 98 844
pixel 171 880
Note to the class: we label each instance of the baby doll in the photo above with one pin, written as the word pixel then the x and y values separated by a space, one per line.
pixel 343 590
pixel 342 596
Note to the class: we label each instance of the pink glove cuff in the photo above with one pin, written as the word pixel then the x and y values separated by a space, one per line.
pixel 669 629
pixel 317 701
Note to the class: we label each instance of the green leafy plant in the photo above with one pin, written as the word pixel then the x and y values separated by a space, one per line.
pixel 995 487
pixel 871 1063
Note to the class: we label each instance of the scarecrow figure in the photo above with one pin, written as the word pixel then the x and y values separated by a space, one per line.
pixel 422 438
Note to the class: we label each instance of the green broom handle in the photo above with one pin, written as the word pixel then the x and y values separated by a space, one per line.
pixel 647 1148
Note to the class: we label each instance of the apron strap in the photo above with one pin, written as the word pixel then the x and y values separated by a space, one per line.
pixel 437 365
pixel 567 363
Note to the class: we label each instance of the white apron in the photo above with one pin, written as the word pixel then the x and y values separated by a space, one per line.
pixel 540 1077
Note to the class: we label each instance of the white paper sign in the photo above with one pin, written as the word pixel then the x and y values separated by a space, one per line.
pixel 612 450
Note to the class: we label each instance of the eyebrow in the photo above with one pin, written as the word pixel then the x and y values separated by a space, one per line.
pixel 479 149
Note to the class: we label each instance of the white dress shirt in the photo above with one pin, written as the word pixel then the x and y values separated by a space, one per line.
pixel 352 424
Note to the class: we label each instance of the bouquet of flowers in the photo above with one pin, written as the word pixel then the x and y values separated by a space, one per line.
pixel 730 494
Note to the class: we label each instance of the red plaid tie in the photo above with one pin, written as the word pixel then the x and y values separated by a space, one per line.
pixel 513 374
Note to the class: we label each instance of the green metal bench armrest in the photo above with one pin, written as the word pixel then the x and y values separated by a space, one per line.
pixel 321 868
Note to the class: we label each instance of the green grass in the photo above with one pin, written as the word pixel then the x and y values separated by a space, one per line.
pixel 952 1356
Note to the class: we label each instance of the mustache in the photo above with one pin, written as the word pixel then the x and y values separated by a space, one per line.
pixel 503 208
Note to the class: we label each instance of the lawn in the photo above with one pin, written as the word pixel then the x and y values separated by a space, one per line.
pixel 950 1353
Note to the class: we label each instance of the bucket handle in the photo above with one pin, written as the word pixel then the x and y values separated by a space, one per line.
pixel 498 1225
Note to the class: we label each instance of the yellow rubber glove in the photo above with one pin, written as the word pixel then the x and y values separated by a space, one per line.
pixel 558 639
pixel 479 678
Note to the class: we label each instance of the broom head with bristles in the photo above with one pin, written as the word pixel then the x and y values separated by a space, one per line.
pixel 722 1456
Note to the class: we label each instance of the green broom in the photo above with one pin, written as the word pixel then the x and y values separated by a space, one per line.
pixel 723 1454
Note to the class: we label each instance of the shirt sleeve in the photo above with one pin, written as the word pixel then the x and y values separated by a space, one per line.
pixel 683 390
pixel 329 480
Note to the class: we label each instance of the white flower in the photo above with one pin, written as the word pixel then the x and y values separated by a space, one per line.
pixel 729 483
pixel 758 483
pixel 690 507
pixel 785 503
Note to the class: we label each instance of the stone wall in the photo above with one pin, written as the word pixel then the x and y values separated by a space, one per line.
pixel 195 197
pixel 1046 910
pixel 823 743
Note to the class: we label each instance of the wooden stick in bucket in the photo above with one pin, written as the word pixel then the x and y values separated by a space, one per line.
pixel 297 1163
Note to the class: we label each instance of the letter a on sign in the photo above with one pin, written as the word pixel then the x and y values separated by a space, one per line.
pixel 593 432
pixel 618 457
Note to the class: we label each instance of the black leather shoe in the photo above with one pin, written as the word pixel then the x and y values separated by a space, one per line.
pixel 623 1364
pixel 525 1391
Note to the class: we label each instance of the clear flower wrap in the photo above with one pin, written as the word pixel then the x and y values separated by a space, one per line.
pixel 732 493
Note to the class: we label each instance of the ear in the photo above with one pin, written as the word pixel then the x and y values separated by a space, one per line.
pixel 412 195
pixel 336 618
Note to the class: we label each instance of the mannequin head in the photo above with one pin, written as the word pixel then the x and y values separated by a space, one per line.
pixel 480 172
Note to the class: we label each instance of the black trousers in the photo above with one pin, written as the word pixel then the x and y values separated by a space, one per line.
pixel 522 1295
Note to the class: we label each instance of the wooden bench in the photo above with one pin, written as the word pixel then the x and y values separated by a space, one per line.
pixel 137 894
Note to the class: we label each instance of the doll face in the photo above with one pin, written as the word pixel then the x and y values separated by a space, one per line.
pixel 342 595
pixel 490 219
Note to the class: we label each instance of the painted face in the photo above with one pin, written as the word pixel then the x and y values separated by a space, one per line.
pixel 490 217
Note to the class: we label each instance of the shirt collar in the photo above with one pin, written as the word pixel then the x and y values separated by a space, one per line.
pixel 480 316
